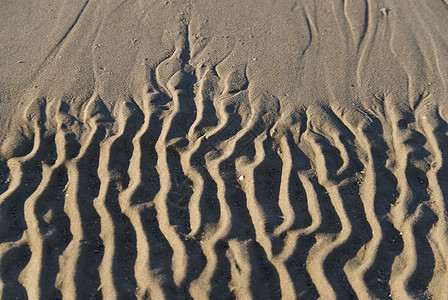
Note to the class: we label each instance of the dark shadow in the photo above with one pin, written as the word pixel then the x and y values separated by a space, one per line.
pixel 361 234
pixel 267 186
pixel 179 194
pixel 87 278
pixel 179 214
pixel 122 148
pixel 125 247
pixel 296 266
pixel 55 226
pixel 150 181
pixel 347 138
pixel 265 279
pixel 12 219
pixel 4 175
pixel 378 276
pixel 125 243
pixel 330 219
pixel 11 265
pixel 222 276
pixel 209 206
pixel 296 191
pixel 208 92
pixel 424 270
pixel 160 250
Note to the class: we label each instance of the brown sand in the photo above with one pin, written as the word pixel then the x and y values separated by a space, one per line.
pixel 218 149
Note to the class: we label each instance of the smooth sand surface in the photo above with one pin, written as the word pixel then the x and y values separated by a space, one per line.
pixel 224 149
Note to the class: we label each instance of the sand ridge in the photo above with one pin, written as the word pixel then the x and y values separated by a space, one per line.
pixel 180 163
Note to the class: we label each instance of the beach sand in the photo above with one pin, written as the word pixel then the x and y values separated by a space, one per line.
pixel 200 149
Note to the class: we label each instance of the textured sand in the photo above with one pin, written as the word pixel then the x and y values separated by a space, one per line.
pixel 224 149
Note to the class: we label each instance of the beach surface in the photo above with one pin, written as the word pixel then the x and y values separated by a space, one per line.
pixel 201 149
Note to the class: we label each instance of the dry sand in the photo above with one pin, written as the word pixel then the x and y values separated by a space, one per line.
pixel 224 149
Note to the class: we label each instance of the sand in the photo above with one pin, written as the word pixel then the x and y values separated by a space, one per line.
pixel 224 149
